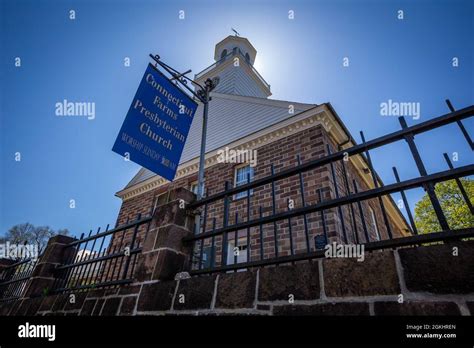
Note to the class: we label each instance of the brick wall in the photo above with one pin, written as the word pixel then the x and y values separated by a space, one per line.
pixel 309 144
pixel 430 279
pixel 352 216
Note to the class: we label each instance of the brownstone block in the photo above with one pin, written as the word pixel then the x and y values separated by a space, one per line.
pixel 435 269
pixel 145 266
pixel 376 275
pixel 79 301
pixel 170 213
pixel 162 264
pixel 168 263
pixel 44 269
pixel 37 286
pixel 301 280
pixel 33 306
pixel 128 305
pixel 48 303
pixel 88 307
pixel 171 236
pixel 197 292
pixel 149 242
pixel 56 250
pixel 129 289
pixel 156 296
pixel 96 293
pixel 236 290
pixel 111 291
pixel 98 307
pixel 111 306
pixel 60 302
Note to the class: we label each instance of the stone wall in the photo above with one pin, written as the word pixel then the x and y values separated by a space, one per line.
pixel 431 280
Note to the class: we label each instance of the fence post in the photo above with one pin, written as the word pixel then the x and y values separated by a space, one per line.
pixel 43 275
pixel 163 252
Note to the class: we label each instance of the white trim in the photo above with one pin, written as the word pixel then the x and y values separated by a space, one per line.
pixel 263 101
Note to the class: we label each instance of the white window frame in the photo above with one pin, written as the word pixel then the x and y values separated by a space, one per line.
pixel 194 184
pixel 242 245
pixel 243 194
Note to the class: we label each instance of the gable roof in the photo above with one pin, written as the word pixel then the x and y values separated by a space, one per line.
pixel 231 117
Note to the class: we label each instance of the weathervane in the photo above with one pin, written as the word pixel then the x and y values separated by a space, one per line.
pixel 235 31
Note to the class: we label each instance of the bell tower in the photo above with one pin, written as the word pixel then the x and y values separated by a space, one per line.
pixel 234 59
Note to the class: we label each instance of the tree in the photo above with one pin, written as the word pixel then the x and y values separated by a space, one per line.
pixel 452 203
pixel 30 234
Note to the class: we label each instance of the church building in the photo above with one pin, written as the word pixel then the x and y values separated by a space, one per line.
pixel 242 116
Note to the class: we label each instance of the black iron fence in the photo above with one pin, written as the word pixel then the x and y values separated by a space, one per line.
pixel 108 258
pixel 103 259
pixel 205 261
pixel 14 278
pixel 97 260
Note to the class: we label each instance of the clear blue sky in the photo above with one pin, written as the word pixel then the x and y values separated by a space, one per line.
pixel 82 60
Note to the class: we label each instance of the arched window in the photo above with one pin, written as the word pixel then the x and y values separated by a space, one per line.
pixel 223 54
pixel 247 57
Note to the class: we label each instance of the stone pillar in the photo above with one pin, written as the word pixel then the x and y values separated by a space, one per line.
pixel 43 276
pixel 163 253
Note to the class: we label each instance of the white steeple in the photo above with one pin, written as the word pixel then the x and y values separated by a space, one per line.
pixel 234 58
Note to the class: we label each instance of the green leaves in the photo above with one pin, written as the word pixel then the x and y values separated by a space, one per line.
pixel 454 207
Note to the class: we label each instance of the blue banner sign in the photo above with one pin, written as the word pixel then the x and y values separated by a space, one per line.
pixel 157 125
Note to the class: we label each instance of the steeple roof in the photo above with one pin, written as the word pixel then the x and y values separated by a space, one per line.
pixel 234 59
pixel 235 41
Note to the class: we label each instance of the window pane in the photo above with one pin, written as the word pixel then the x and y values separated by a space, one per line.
pixel 241 176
